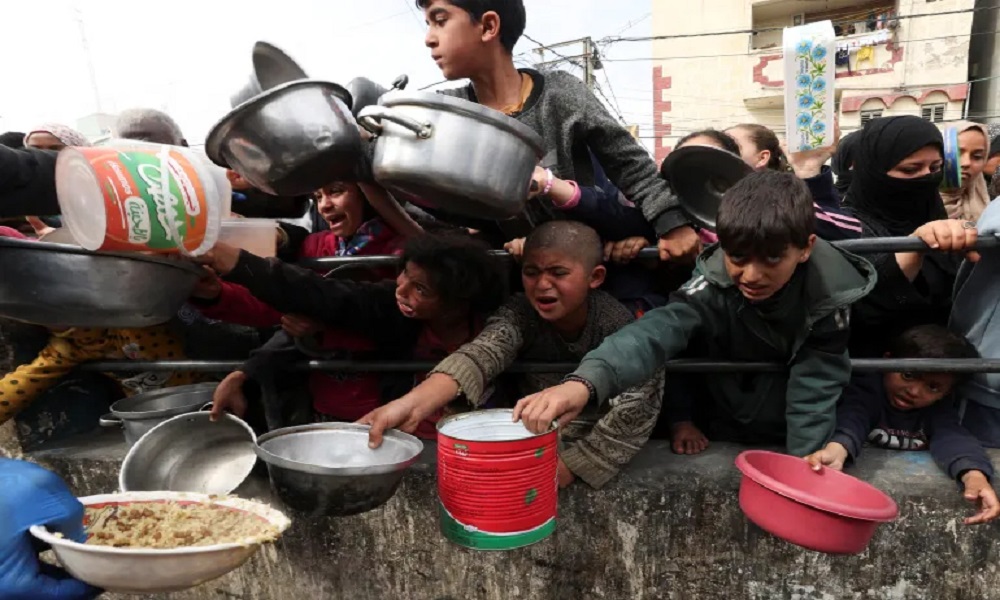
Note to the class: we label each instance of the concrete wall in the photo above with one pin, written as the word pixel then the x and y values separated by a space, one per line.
pixel 669 527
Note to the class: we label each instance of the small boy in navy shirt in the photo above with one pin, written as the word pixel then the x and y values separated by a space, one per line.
pixel 915 411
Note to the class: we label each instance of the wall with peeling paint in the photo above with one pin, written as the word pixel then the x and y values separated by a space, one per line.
pixel 669 527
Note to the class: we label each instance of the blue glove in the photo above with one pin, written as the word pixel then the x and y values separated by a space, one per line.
pixel 30 495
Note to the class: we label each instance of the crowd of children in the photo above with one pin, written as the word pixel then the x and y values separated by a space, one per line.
pixel 770 287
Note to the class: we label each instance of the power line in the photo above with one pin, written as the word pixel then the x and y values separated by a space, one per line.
pixel 618 39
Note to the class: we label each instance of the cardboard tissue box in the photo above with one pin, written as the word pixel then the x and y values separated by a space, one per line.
pixel 810 104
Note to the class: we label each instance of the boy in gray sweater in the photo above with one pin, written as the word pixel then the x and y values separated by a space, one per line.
pixel 474 39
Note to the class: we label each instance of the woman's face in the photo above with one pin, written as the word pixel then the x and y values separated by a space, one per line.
pixel 749 152
pixel 921 163
pixel 342 206
pixel 973 147
pixel 42 140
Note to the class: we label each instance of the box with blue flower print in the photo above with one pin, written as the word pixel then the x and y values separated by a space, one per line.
pixel 810 104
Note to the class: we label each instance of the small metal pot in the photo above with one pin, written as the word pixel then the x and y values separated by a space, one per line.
pixel 451 154
pixel 60 285
pixel 700 175
pixel 271 67
pixel 139 414
pixel 291 140
pixel 190 453
pixel 328 468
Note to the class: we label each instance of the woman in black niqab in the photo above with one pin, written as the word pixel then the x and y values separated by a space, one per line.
pixel 842 162
pixel 894 192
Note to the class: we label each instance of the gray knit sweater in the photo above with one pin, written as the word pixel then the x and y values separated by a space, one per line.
pixel 516 332
pixel 572 120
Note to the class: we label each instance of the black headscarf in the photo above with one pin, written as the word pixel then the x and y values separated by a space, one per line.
pixel 843 161
pixel 899 206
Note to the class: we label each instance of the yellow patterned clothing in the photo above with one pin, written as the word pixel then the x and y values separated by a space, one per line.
pixel 69 348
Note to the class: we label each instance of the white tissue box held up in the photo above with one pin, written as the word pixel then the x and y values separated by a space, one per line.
pixel 810 70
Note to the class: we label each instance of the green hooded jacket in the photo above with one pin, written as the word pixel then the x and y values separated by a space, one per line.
pixel 710 313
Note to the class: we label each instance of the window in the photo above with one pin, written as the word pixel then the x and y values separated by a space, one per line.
pixel 868 115
pixel 933 112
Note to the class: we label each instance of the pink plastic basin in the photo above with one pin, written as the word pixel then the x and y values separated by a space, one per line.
pixel 826 511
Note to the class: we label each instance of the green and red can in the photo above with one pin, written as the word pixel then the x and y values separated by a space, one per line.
pixel 497 482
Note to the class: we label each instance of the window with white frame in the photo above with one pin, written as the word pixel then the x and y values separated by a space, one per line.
pixel 868 115
pixel 933 112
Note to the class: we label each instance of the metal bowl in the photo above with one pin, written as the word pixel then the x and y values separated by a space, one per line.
pixel 451 154
pixel 291 140
pixel 138 414
pixel 328 468
pixel 60 285
pixel 190 453
pixel 701 175
pixel 271 67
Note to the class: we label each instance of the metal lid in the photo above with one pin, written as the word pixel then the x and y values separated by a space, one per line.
pixel 19 244
pixel 164 402
pixel 700 175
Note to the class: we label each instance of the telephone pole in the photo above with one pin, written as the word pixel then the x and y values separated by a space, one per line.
pixel 586 57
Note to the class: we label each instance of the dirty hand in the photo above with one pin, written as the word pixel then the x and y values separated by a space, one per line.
pixel 403 414
pixel 950 235
pixel 299 326
pixel 625 250
pixel 34 496
pixel 566 477
pixel 209 286
pixel 222 258
pixel 539 179
pixel 979 491
pixel 563 402
pixel 229 396
pixel 236 181
pixel 833 456
pixel 515 247
pixel 682 243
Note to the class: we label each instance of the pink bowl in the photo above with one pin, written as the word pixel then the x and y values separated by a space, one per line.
pixel 826 511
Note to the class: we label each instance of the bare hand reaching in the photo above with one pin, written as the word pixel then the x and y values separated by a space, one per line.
pixel 561 403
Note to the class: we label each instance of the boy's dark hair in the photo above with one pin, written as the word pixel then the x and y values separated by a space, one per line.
pixel 572 238
pixel 724 139
pixel 460 269
pixel 764 213
pixel 12 139
pixel 765 139
pixel 933 341
pixel 512 16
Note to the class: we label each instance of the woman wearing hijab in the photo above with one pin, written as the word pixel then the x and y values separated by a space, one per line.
pixel 894 192
pixel 53 136
pixel 970 200
pixel 843 161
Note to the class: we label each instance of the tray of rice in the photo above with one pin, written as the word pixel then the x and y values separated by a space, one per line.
pixel 153 542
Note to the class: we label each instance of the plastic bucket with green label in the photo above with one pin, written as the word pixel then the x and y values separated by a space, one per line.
pixel 497 481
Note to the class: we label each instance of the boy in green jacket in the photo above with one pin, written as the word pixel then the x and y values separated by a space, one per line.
pixel 769 291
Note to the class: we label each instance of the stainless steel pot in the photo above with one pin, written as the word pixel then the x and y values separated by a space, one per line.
pixel 328 468
pixel 190 453
pixel 66 286
pixel 139 414
pixel 451 154
pixel 270 67
pixel 700 175
pixel 291 140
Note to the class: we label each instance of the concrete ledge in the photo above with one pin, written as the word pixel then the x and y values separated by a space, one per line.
pixel 669 527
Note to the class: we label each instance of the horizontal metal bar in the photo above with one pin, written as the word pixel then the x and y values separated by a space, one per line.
pixel 861 246
pixel 917 365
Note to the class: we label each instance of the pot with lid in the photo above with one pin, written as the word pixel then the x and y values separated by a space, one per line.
pixel 446 153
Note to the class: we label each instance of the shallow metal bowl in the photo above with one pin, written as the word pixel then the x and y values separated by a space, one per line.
pixel 138 414
pixel 189 453
pixel 290 140
pixel 59 285
pixel 328 468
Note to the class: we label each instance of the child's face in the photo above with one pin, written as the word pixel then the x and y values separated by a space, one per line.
pixel 342 207
pixel 454 38
pixel 556 284
pixel 415 296
pixel 760 278
pixel 913 391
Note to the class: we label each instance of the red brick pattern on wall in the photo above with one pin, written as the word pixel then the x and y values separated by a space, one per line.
pixel 954 93
pixel 661 107
pixel 759 77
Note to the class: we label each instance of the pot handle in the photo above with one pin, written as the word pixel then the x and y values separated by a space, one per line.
pixel 109 420
pixel 207 406
pixel 371 118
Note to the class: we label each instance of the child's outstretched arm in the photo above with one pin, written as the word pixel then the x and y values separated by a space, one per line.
pixel 961 455
pixel 21 387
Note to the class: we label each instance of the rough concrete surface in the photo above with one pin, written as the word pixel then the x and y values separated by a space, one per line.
pixel 669 527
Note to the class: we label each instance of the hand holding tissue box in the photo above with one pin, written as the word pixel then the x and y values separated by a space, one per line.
pixel 810 104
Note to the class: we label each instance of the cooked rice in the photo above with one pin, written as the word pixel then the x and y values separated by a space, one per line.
pixel 171 524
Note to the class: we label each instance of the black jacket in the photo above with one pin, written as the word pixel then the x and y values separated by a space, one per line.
pixel 27 182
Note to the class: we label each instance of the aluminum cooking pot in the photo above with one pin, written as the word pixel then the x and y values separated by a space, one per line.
pixel 60 285
pixel 271 67
pixel 291 140
pixel 140 413
pixel 451 154
pixel 328 468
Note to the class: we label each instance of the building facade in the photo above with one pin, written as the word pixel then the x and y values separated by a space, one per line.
pixel 894 58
